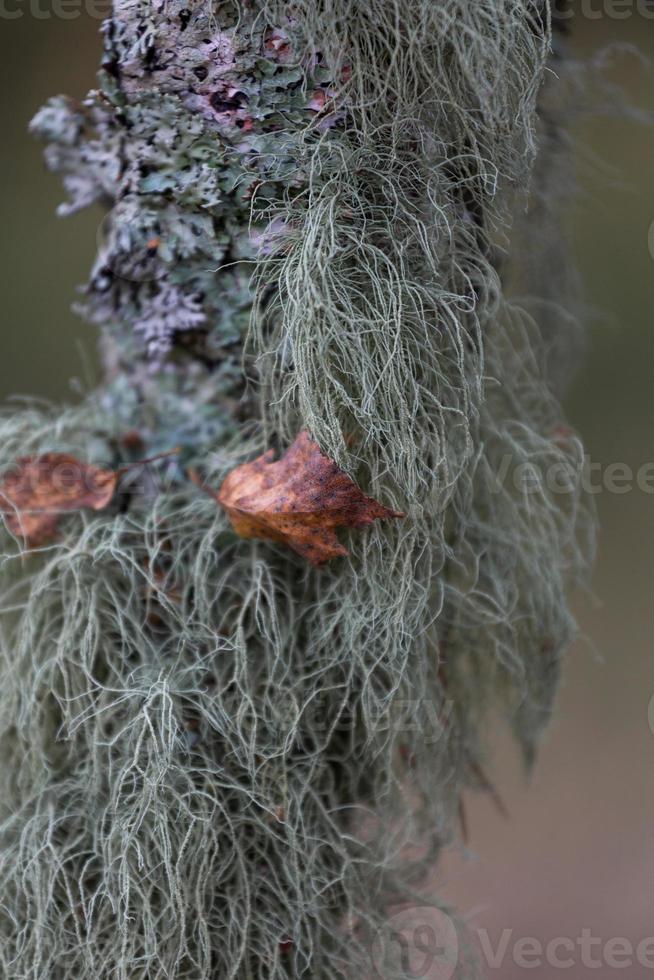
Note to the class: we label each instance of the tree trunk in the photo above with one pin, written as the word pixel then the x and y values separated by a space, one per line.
pixel 219 760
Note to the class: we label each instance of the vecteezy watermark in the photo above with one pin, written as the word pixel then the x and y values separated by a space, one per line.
pixel 54 9
pixel 422 943
pixel 603 10
pixel 100 9
pixel 422 721
pixel 564 952
pixel 571 476
pixel 419 943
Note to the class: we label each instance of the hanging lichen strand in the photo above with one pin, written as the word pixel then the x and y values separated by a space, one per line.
pixel 218 761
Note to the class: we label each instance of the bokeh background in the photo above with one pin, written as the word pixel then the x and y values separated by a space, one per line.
pixel 577 851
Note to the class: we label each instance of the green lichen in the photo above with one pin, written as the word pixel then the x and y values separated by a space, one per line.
pixel 217 761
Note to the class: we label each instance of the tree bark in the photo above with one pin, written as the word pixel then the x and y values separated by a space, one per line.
pixel 221 762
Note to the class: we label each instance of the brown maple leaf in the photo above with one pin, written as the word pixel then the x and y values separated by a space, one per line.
pixel 298 500
pixel 40 489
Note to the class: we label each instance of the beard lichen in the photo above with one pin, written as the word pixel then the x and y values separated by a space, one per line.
pixel 217 761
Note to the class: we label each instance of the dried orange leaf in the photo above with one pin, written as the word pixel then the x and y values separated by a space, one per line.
pixel 40 489
pixel 35 494
pixel 298 500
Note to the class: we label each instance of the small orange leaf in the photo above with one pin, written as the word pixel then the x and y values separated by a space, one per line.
pixel 35 494
pixel 40 489
pixel 298 500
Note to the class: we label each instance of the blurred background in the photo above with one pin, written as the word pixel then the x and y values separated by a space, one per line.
pixel 577 852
